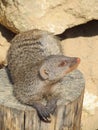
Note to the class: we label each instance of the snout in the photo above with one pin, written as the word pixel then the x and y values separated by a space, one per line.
pixel 75 62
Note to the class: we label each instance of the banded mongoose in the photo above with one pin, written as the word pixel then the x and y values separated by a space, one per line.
pixel 36 63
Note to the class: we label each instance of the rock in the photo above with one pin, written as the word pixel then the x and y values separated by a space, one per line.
pixel 82 41
pixel 53 15
pixel 5 36
pixel 4 45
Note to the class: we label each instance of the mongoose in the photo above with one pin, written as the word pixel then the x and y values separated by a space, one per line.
pixel 36 63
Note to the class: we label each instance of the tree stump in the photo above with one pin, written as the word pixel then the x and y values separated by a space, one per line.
pixel 15 116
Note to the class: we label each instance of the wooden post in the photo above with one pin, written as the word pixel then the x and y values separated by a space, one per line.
pixel 15 116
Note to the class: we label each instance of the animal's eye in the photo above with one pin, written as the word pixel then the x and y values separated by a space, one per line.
pixel 63 63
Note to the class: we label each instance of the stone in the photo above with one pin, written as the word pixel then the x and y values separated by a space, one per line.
pixel 53 15
pixel 4 45
pixel 82 41
pixel 5 37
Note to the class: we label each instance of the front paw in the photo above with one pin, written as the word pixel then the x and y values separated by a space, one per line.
pixel 43 113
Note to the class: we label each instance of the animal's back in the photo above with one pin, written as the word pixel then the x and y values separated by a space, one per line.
pixel 29 49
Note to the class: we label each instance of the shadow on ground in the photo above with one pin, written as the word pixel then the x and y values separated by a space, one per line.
pixel 88 29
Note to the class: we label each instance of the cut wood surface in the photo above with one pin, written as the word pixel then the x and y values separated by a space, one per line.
pixel 15 116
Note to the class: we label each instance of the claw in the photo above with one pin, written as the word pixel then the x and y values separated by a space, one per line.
pixel 46 120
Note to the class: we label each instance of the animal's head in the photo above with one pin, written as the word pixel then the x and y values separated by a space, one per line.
pixel 56 67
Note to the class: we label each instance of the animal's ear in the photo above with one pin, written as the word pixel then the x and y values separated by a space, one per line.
pixel 62 63
pixel 43 73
